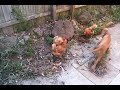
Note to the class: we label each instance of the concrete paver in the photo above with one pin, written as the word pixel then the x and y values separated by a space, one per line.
pixel 73 77
pixel 112 72
pixel 116 81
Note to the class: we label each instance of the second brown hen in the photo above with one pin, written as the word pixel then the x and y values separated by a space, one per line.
pixel 90 31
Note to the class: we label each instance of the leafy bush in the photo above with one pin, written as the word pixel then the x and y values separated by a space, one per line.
pixel 29 50
pixel 20 17
pixel 8 53
pixel 8 70
pixel 116 12
pixel 97 30
pixel 49 39
pixel 61 16
pixel 11 71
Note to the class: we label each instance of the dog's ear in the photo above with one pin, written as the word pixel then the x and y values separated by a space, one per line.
pixel 105 30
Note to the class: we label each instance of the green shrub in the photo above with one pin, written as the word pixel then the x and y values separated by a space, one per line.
pixel 11 71
pixel 12 53
pixel 8 70
pixel 61 16
pixel 116 12
pixel 81 32
pixel 49 40
pixel 8 53
pixel 29 50
pixel 23 24
pixel 97 30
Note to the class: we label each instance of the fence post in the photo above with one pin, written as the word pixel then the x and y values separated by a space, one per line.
pixel 54 16
pixel 72 9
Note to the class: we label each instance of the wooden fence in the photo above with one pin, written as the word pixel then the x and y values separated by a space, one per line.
pixel 30 11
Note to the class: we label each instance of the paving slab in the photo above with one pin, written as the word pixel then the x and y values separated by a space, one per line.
pixel 41 81
pixel 69 77
pixel 112 72
pixel 116 81
pixel 73 77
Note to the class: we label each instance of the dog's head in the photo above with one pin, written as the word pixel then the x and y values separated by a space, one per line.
pixel 105 31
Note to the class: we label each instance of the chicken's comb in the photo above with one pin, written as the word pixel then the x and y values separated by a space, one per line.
pixel 64 37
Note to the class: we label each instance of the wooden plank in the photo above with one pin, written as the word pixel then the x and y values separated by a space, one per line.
pixel 49 8
pixel 20 7
pixel 30 9
pixel 62 10
pixel 36 16
pixel 46 8
pixel 11 16
pixel 58 7
pixel 33 6
pixel 36 9
pixel 27 10
pixel 72 8
pixel 43 8
pixel 7 13
pixel 67 5
pixel 24 10
pixel 2 19
pixel 77 6
pixel 39 9
pixel 54 12
pixel 32 13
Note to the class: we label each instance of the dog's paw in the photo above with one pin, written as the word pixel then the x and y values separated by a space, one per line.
pixel 92 68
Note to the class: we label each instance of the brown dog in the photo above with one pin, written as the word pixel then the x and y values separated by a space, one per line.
pixel 102 47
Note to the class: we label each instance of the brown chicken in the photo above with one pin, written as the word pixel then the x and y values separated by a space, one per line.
pixel 90 31
pixel 59 49
pixel 102 47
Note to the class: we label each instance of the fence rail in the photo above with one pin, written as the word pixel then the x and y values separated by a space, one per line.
pixel 30 11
